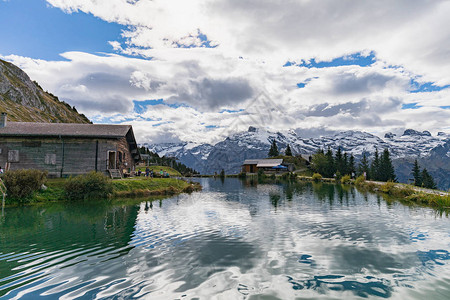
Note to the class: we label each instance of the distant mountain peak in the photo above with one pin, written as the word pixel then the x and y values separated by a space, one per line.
pixel 254 143
pixel 390 135
pixel 415 132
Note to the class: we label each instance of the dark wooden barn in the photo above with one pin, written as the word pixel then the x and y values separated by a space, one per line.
pixel 67 149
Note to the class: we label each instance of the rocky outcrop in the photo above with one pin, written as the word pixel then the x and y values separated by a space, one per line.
pixel 24 100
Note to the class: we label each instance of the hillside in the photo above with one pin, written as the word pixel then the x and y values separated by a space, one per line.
pixel 25 101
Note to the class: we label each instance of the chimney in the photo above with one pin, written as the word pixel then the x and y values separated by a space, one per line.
pixel 3 119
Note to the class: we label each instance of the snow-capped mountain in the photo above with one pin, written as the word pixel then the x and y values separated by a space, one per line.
pixel 255 143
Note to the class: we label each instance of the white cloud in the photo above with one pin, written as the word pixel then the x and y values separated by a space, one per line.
pixel 254 38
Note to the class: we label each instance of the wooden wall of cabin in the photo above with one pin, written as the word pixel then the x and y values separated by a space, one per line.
pixel 250 169
pixel 47 154
pixel 125 161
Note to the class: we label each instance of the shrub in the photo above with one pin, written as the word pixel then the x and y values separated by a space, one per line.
pixel 21 184
pixel 89 186
pixel 360 180
pixel 289 176
pixel 388 187
pixel 317 177
pixel 346 179
pixel 261 174
pixel 242 175
pixel 338 176
pixel 435 200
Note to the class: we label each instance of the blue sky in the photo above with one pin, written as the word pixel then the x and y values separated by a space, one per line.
pixel 183 70
pixel 38 30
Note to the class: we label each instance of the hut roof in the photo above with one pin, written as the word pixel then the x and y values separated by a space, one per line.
pixel 263 163
pixel 64 129
pixel 269 163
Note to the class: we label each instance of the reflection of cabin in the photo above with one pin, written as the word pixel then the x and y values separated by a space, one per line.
pixel 67 149
pixel 266 165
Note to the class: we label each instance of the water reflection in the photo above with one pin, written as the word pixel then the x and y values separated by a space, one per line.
pixel 235 240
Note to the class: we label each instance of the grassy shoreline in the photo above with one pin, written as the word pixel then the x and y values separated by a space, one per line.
pixel 122 188
pixel 404 192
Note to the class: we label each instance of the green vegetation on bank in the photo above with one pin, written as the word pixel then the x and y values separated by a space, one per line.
pixel 153 186
pixel 406 192
pixel 403 192
pixel 90 186
pixel 21 184
pixel 157 169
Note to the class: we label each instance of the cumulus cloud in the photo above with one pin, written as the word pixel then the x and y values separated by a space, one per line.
pixel 214 93
pixel 279 30
pixel 210 60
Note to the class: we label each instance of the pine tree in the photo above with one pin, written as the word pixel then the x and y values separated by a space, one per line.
pixel 345 165
pixel 339 161
pixel 330 168
pixel 364 166
pixel 417 174
pixel 375 166
pixel 386 169
pixel 273 149
pixel 427 180
pixel 351 165
pixel 288 151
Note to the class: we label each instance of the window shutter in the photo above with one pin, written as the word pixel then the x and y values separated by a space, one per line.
pixel 13 156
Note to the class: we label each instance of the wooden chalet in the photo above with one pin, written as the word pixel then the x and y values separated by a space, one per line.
pixel 267 165
pixel 65 149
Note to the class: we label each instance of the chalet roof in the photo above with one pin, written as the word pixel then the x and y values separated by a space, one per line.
pixel 268 163
pixel 251 161
pixel 264 163
pixel 64 129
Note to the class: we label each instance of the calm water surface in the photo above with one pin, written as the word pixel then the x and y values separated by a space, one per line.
pixel 234 240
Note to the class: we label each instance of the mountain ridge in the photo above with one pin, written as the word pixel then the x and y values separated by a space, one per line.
pixel 433 152
pixel 25 101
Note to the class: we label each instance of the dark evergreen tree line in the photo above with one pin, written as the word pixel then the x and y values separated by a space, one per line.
pixel 422 178
pixel 168 162
pixel 330 165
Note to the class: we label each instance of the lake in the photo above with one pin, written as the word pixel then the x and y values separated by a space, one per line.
pixel 233 240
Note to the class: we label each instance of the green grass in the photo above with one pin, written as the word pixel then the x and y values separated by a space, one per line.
pixel 407 193
pixel 157 169
pixel 148 186
pixel 129 187
pixel 433 200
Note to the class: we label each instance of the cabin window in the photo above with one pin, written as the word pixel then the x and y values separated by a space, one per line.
pixel 120 156
pixel 50 159
pixel 13 156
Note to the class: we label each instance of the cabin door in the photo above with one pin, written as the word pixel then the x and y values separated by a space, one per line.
pixel 111 160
